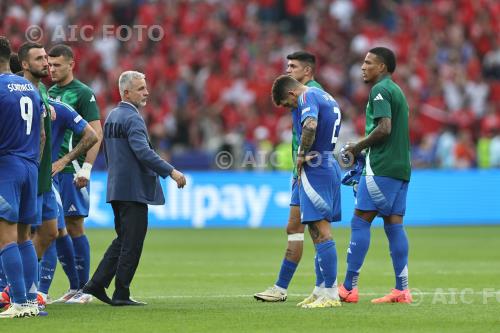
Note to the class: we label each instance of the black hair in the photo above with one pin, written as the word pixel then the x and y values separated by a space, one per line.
pixel 25 48
pixel 61 50
pixel 14 63
pixel 281 86
pixel 5 49
pixel 303 56
pixel 386 57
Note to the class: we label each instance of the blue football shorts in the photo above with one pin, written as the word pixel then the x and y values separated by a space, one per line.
pixel 385 195
pixel 319 195
pixel 47 206
pixel 60 217
pixel 75 201
pixel 18 189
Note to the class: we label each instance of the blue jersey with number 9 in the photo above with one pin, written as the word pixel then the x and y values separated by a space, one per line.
pixel 320 105
pixel 20 113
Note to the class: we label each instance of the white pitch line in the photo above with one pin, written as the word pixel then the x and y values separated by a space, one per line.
pixel 297 295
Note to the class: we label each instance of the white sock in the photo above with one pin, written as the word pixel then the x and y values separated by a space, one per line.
pixel 280 289
pixel 332 293
pixel 318 291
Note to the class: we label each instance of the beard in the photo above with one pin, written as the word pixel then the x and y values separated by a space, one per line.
pixel 39 74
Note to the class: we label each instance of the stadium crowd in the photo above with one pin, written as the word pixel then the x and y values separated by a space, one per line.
pixel 203 55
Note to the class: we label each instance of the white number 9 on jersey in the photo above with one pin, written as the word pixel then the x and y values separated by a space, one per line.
pixel 26 105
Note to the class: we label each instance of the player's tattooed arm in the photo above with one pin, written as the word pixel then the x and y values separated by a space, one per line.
pixel 86 142
pixel 308 135
pixel 378 135
pixel 306 142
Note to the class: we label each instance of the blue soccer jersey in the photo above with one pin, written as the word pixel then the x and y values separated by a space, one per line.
pixel 319 189
pixel 20 120
pixel 66 119
pixel 20 115
pixel 318 104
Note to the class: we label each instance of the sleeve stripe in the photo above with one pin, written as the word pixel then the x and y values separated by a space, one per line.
pixel 302 99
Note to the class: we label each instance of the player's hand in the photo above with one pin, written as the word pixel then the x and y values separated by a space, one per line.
pixel 81 182
pixel 82 177
pixel 179 178
pixel 301 159
pixel 53 114
pixel 59 165
pixel 348 153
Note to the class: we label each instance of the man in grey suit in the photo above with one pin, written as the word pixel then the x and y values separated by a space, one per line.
pixel 133 170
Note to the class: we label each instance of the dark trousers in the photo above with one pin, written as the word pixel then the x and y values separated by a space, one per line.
pixel 122 257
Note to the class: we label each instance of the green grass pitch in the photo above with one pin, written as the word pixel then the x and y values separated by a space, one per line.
pixel 203 281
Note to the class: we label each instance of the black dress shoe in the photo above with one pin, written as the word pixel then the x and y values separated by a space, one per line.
pixel 125 302
pixel 97 291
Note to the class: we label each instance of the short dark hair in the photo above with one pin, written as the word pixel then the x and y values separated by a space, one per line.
pixel 386 56
pixel 5 49
pixel 61 50
pixel 14 63
pixel 281 86
pixel 25 48
pixel 303 56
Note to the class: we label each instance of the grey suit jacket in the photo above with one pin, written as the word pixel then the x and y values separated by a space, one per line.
pixel 133 166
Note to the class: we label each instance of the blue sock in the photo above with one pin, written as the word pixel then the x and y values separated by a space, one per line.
pixel 66 256
pixel 48 268
pixel 327 258
pixel 398 245
pixel 319 275
pixel 13 269
pixel 358 247
pixel 30 267
pixel 286 273
pixel 3 278
pixel 82 258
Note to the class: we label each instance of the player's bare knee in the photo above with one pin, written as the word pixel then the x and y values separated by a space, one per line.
pixel 393 219
pixel 320 231
pixel 51 235
pixel 61 232
pixel 368 216
pixel 23 233
pixel 74 226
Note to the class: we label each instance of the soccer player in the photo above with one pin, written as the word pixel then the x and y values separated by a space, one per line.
pixel 383 186
pixel 317 124
pixel 21 130
pixel 301 66
pixel 33 60
pixel 74 180
pixel 67 119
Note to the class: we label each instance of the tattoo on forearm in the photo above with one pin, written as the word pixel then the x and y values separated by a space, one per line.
pixel 82 147
pixel 308 134
pixel 379 134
